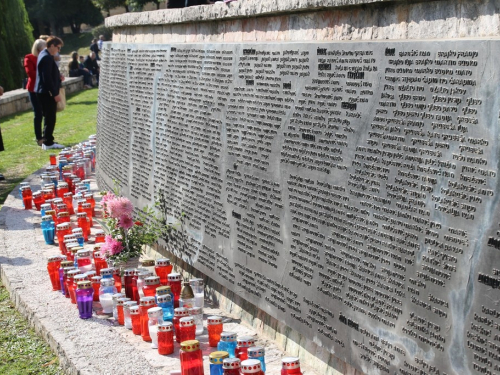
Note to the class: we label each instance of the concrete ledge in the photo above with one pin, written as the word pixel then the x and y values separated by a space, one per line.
pixel 97 345
pixel 18 100
pixel 236 9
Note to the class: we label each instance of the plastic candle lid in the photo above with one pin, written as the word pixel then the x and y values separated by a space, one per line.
pixel 83 253
pixel 162 262
pixel 84 285
pixel 290 363
pixel 155 312
pixel 228 336
pixel 152 280
pixel 246 341
pixel 181 311
pixel 54 258
pixel 80 277
pixel 250 366
pixel 174 277
pixel 190 345
pixel 147 301
pixel 134 310
pixel 106 271
pixel 62 226
pixel 128 271
pixel 166 327
pixel 196 282
pixel 256 351
pixel 163 298
pixel 162 290
pixel 187 321
pixel 147 263
pixel 96 279
pixel 120 301
pixel 195 311
pixel 231 363
pixel 66 263
pixel 218 357
pixel 214 320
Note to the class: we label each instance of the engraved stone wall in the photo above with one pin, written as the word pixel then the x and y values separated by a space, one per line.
pixel 346 189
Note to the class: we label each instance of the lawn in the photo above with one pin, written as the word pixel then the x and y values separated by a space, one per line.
pixel 77 42
pixel 22 156
pixel 21 350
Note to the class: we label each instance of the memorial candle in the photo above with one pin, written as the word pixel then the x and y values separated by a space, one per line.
pixel 290 366
pixel 175 283
pixel 84 297
pixel 145 304
pixel 191 358
pixel 62 276
pixel 53 265
pixel 227 343
pixel 216 360
pixel 118 279
pixel 243 343
pixel 38 200
pixel 48 229
pixel 187 329
pixel 165 338
pixel 162 269
pixel 258 352
pixel 62 190
pixel 251 366
pixel 96 285
pixel 155 315
pixel 135 317
pixel 27 197
pixel 68 200
pixel 119 309
pixel 214 327
pixel 151 283
pixel 231 366
pixel 128 276
pixel 99 262
pixel 126 313
pixel 179 313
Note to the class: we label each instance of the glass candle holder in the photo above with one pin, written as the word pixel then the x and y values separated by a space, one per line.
pixel 83 222
pixel 78 233
pixel 179 312
pixel 114 298
pixel 84 298
pixel 258 352
pixel 186 298
pixel 38 200
pixel 175 283
pixel 61 231
pixel 62 277
pixel 107 273
pixel 214 327
pixel 89 197
pixel 99 262
pixel 44 208
pixel 243 343
pixel 231 366
pixel 48 229
pixel 63 217
pixel 191 358
pixel 119 309
pixel 216 359
pixel 53 265
pixel 251 366
pixel 62 188
pixel 84 260
pixel 135 318
pixel 70 285
pixel 165 302
pixel 165 338
pixel 197 314
pixel 227 343
pixel 145 304
pixel 151 283
pixel 138 288
pixel 162 269
pixel 106 292
pixel 100 236
pixel 87 208
pixel 27 197
pixel 96 285
pixel 52 159
pixel 65 269
pixel 126 313
pixel 155 316
pixel 118 279
pixel 127 277
pixel 187 329
pixel 68 200
pixel 149 264
pixel 199 292
pixel 290 366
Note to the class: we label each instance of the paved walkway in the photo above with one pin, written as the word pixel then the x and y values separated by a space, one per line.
pixel 97 345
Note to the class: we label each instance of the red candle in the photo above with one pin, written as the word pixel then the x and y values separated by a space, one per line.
pixel 96 284
pixel 166 338
pixel 118 279
pixel 145 303
pixel 231 366
pixel 187 329
pixel 52 158
pixel 90 199
pixel 179 312
pixel 38 200
pixel 83 223
pixel 290 366
pixel 151 283
pixel 70 284
pixel 99 262
pixel 128 276
pixel 175 283
pixel 61 231
pixel 27 197
pixel 243 343
pixel 251 366
pixel 99 236
pixel 53 265
pixel 65 279
pixel 87 207
pixel 135 316
pixel 119 309
pixel 68 200
pixel 191 358
pixel 162 269
pixel 214 326
pixel 62 189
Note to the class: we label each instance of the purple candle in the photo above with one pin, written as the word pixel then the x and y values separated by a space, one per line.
pixel 84 298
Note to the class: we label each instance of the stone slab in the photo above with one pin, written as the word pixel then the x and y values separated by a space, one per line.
pixel 346 189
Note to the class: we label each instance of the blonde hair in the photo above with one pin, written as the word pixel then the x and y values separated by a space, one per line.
pixel 38 46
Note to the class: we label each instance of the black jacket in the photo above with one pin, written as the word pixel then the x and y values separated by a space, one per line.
pixel 48 77
pixel 91 65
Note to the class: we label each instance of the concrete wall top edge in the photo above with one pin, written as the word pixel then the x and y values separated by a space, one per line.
pixel 236 9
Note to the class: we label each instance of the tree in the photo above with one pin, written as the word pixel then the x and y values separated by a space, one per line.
pixel 59 13
pixel 15 42
pixel 107 5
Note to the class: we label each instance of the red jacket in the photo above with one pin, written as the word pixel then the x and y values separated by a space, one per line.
pixel 30 67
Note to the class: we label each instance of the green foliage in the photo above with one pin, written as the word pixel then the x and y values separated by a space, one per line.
pixel 55 14
pixel 77 42
pixel 107 5
pixel 15 42
pixel 21 350
pixel 103 30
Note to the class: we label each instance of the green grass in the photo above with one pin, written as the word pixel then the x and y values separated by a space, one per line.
pixel 21 350
pixel 22 156
pixel 77 42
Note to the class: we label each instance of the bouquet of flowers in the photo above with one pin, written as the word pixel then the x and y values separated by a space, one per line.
pixel 125 237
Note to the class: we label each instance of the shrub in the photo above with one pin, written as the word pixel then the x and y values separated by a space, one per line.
pixel 103 30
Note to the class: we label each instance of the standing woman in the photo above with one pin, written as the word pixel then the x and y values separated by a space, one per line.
pixel 48 83
pixel 30 67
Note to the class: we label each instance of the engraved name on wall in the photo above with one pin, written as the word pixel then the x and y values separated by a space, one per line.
pixel 347 189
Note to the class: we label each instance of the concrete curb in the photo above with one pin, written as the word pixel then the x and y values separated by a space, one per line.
pixel 96 345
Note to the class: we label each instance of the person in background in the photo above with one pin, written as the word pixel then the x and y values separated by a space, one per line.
pixel 95 48
pixel 99 42
pixel 1 140
pixel 75 71
pixel 91 64
pixel 81 61
pixel 30 68
pixel 48 83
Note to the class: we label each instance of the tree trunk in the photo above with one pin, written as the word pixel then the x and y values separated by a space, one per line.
pixel 126 8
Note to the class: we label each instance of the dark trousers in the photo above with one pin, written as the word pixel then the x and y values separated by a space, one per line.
pixel 49 109
pixel 1 141
pixel 87 80
pixel 38 115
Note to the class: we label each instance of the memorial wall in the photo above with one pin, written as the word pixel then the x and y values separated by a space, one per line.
pixel 347 189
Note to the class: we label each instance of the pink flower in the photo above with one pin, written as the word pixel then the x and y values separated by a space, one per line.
pixel 108 197
pixel 125 222
pixel 119 207
pixel 111 246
